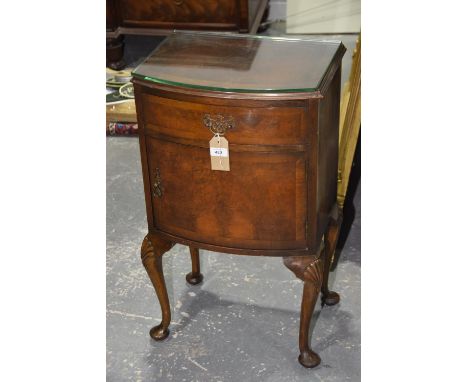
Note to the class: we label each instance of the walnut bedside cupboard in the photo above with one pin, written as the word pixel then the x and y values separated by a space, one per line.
pixel 276 102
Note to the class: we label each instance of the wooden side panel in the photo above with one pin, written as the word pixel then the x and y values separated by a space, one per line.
pixel 259 204
pixel 143 154
pixel 312 155
pixel 327 166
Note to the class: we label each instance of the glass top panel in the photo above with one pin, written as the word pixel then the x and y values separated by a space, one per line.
pixel 237 63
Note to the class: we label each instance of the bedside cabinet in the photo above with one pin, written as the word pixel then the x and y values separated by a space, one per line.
pixel 239 149
pixel 162 17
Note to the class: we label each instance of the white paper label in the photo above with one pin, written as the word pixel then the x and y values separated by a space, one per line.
pixel 218 152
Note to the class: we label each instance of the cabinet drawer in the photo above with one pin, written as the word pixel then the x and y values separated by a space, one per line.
pixel 180 11
pixel 250 126
pixel 259 204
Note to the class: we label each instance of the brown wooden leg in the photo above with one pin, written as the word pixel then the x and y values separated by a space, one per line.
pixel 194 277
pixel 331 238
pixel 114 53
pixel 310 270
pixel 152 250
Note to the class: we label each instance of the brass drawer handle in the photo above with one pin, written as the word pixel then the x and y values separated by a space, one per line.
pixel 218 124
pixel 178 2
pixel 157 186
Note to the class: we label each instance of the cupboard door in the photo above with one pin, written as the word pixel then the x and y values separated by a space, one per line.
pixel 259 204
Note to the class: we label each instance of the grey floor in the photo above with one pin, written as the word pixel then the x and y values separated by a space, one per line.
pixel 241 324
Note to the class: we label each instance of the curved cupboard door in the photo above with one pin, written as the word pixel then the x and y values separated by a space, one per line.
pixel 259 204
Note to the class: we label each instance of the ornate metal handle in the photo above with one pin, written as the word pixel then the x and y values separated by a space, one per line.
pixel 218 124
pixel 178 2
pixel 157 186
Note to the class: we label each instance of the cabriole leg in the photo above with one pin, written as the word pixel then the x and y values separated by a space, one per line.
pixel 310 270
pixel 152 250
pixel 331 238
pixel 194 277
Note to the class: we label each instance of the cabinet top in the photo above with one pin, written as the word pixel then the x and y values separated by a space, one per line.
pixel 237 63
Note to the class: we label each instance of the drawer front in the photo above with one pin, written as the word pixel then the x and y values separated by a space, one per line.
pixel 244 126
pixel 259 204
pixel 179 11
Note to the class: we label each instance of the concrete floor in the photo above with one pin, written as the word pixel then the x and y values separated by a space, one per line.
pixel 240 324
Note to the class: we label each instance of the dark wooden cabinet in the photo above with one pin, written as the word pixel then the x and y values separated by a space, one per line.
pixel 182 14
pixel 160 17
pixel 276 101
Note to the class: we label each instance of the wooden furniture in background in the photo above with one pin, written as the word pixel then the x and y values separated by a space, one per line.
pixel 161 17
pixel 279 197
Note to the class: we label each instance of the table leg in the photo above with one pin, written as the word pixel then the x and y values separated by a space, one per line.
pixel 114 53
pixel 152 250
pixel 331 238
pixel 310 270
pixel 194 277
